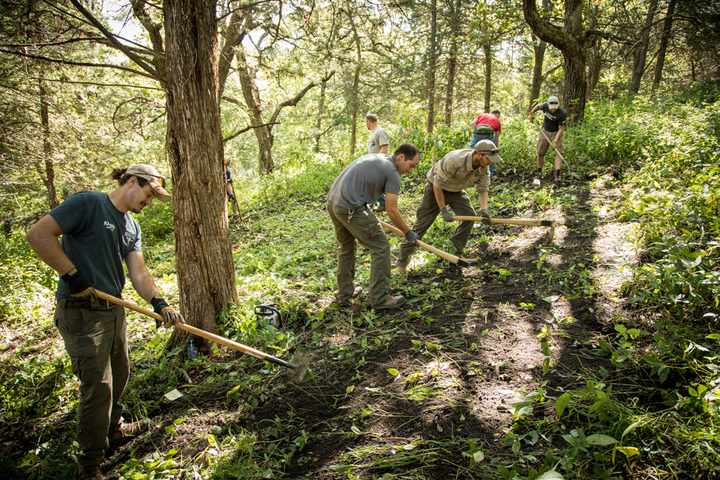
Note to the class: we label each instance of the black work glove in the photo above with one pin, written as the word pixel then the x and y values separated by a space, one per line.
pixel 171 317
pixel 446 215
pixel 485 213
pixel 79 286
pixel 411 236
pixel 231 197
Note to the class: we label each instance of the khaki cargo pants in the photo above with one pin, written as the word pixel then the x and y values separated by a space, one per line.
pixel 428 211
pixel 97 344
pixel 364 227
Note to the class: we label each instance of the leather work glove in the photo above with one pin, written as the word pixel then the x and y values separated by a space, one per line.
pixel 411 236
pixel 171 317
pixel 79 286
pixel 531 117
pixel 553 144
pixel 485 213
pixel 446 215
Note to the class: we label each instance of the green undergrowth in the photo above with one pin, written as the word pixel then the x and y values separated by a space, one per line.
pixel 651 411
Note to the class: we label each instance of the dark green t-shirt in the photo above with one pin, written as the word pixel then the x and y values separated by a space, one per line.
pixel 365 180
pixel 97 239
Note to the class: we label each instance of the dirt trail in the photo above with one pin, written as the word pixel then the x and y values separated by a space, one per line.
pixel 466 345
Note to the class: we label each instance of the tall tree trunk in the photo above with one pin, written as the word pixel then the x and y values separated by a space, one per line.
pixel 206 277
pixel 641 51
pixel 321 110
pixel 251 94
pixel 539 50
pixel 594 66
pixel 48 175
pixel 354 109
pixel 663 46
pixel 452 62
pixel 537 76
pixel 355 94
pixel 595 55
pixel 431 66
pixel 487 50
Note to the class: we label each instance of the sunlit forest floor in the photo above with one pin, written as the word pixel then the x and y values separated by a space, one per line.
pixel 466 381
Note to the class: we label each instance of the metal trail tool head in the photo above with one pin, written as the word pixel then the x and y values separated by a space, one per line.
pixel 300 369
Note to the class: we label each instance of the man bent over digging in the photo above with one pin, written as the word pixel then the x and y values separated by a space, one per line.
pixel 447 181
pixel 359 185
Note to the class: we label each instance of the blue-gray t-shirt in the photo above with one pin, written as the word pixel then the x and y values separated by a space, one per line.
pixel 97 239
pixel 365 180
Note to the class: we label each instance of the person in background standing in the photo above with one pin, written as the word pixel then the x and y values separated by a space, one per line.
pixel 378 143
pixel 230 192
pixel 487 127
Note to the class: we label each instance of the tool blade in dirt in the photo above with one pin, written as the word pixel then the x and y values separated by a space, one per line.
pixel 300 367
pixel 447 256
pixel 301 363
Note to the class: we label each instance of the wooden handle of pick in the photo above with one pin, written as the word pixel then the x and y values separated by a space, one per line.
pixel 201 333
pixel 509 221
pixel 447 256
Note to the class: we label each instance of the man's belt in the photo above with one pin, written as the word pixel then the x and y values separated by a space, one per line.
pixel 87 303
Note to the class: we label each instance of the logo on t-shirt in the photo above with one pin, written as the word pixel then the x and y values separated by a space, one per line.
pixel 109 225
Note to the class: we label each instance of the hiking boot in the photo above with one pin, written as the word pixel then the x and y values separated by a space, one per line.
pixel 558 177
pixel 89 472
pixel 380 208
pixel 392 302
pixel 124 434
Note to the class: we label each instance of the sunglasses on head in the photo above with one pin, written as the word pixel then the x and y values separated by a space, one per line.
pixel 490 152
pixel 150 178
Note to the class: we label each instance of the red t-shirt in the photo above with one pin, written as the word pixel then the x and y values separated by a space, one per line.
pixel 489 119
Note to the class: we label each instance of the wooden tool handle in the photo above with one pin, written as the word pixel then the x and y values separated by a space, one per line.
pixel 201 333
pixel 509 221
pixel 447 256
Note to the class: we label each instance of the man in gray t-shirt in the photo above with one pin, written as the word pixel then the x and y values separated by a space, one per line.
pixel 98 236
pixel 361 183
pixel 378 143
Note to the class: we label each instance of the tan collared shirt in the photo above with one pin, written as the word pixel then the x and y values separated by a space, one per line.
pixel 454 172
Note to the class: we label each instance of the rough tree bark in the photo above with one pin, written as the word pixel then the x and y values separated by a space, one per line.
pixel 663 46
pixel 572 41
pixel 206 277
pixel 431 67
pixel 641 51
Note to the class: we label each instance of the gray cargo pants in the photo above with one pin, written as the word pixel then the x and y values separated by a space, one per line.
pixel 363 227
pixel 429 210
pixel 97 344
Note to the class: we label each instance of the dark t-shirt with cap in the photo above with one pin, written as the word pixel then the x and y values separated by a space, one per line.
pixel 552 121
pixel 97 239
